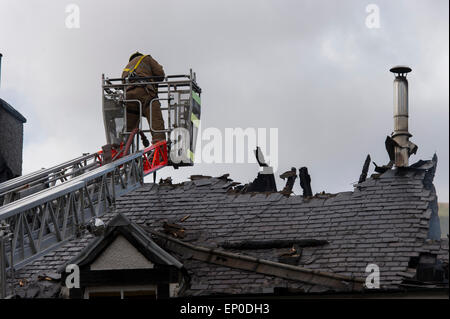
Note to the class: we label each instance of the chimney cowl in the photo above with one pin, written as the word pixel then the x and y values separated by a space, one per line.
pixel 401 70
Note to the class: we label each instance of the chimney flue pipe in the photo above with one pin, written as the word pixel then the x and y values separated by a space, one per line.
pixel 403 148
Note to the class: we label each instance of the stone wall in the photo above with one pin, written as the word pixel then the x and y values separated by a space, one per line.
pixel 11 140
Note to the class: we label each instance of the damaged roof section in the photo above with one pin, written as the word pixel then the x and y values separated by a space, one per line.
pixel 226 239
pixel 260 266
pixel 384 221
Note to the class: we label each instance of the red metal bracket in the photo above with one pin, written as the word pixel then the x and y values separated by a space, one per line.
pixel 155 157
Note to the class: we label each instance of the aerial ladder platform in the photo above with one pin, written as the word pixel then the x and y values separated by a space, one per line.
pixel 43 210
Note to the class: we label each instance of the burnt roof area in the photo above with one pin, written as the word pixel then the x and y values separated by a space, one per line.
pixel 232 241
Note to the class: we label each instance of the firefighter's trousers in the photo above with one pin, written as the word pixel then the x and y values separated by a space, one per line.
pixel 157 121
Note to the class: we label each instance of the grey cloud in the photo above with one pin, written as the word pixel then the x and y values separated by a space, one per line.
pixel 310 68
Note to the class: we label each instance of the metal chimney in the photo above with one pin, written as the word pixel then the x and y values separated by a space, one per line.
pixel 403 148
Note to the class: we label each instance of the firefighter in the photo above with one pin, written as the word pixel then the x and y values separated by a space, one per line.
pixel 144 66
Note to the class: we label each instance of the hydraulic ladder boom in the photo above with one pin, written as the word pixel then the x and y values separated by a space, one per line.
pixel 45 209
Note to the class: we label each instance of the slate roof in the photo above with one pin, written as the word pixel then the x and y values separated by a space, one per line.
pixel 8 108
pixel 213 279
pixel 384 221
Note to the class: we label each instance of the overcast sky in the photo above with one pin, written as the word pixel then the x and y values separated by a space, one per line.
pixel 312 69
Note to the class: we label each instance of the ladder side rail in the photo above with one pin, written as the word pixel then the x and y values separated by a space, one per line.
pixel 19 187
pixel 52 178
pixel 12 183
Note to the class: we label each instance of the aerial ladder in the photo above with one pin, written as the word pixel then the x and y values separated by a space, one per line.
pixel 43 210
